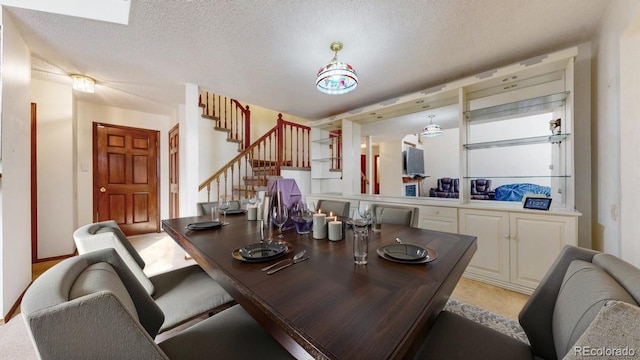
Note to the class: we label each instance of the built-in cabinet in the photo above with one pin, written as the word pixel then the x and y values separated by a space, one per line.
pixel 515 128
pixel 515 249
pixel 438 218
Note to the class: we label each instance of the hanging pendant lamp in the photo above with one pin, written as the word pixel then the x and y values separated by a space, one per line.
pixel 432 129
pixel 336 77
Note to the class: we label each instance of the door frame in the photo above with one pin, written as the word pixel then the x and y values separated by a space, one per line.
pixel 174 168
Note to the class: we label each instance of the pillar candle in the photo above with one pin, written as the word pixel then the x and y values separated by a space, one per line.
pixel 252 212
pixel 319 226
pixel 335 230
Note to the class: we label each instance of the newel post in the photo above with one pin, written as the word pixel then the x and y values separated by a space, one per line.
pixel 247 128
pixel 280 136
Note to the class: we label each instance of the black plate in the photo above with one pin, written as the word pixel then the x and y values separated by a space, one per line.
pixel 405 252
pixel 205 225
pixel 236 211
pixel 432 255
pixel 288 249
pixel 261 251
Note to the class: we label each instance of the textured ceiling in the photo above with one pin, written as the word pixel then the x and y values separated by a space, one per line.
pixel 267 52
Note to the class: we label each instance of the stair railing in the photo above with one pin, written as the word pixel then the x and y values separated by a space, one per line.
pixel 229 114
pixel 286 144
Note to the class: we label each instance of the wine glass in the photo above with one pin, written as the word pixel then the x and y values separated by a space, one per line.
pixel 364 209
pixel 224 206
pixel 279 216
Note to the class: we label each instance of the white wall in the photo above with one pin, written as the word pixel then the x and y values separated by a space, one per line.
pixel 606 130
pixel 390 168
pixel 15 191
pixel 629 144
pixel 87 114
pixel 441 158
pixel 55 137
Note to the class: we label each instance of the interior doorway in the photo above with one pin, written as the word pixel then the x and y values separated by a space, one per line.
pixel 126 176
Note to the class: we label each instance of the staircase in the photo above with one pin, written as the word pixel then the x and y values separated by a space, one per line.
pixel 285 145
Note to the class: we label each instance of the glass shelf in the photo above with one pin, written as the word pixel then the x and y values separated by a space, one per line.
pixel 327 141
pixel 518 107
pixel 327 159
pixel 554 139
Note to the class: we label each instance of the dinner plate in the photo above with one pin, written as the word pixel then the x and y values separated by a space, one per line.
pixel 431 256
pixel 406 252
pixel 262 252
pixel 205 225
pixel 236 211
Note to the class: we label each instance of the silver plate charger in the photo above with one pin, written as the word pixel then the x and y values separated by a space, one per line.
pixel 204 225
pixel 431 256
pixel 262 251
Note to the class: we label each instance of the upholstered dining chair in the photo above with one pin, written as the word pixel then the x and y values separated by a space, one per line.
pixel 339 208
pixel 204 208
pixel 396 215
pixel 182 294
pixel 91 306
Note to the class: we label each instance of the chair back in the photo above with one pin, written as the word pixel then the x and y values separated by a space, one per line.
pixel 339 208
pixel 204 208
pixel 396 215
pixel 107 234
pixel 92 307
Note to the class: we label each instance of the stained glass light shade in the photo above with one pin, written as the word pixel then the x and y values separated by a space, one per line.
pixel 336 77
pixel 432 129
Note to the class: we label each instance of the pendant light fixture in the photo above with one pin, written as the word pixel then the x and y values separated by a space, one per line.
pixel 336 77
pixel 432 129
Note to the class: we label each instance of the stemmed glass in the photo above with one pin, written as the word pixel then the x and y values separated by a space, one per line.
pixel 224 206
pixel 279 216
pixel 364 209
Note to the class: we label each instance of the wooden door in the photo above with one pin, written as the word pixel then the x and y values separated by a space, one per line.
pixel 174 205
pixel 126 177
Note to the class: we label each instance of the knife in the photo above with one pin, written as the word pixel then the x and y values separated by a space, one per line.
pixel 287 265
pixel 276 264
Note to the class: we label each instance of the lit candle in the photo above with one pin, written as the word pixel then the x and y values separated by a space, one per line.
pixel 335 230
pixel 331 217
pixel 319 225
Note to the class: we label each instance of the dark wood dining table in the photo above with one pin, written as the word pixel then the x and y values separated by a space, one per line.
pixel 328 307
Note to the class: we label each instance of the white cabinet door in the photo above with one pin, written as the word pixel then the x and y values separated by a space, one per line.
pixel 438 218
pixel 536 241
pixel 491 260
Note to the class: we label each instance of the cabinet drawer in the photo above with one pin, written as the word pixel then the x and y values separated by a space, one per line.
pixel 438 211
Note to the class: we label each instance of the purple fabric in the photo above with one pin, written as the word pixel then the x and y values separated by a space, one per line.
pixel 290 194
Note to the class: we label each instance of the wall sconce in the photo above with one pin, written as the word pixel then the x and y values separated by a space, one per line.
pixel 83 83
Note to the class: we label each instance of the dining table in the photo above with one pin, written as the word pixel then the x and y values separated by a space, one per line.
pixel 328 307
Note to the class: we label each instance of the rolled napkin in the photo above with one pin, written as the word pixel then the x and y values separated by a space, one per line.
pixel 319 226
pixel 335 230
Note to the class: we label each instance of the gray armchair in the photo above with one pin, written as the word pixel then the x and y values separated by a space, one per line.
pixel 204 208
pixel 92 307
pixel 558 313
pixel 182 294
pixel 339 208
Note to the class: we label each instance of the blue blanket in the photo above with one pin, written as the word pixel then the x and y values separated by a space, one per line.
pixel 515 192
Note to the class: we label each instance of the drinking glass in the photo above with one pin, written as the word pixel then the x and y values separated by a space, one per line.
pixel 364 209
pixel 224 206
pixel 311 206
pixel 360 241
pixel 279 216
pixel 215 215
pixel 302 218
pixel 376 220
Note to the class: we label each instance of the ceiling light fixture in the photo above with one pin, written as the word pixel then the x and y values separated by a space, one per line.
pixel 336 77
pixel 432 129
pixel 83 83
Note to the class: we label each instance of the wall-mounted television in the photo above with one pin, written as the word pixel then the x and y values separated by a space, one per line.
pixel 413 161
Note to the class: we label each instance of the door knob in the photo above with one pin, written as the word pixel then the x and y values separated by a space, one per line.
pixel 103 189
